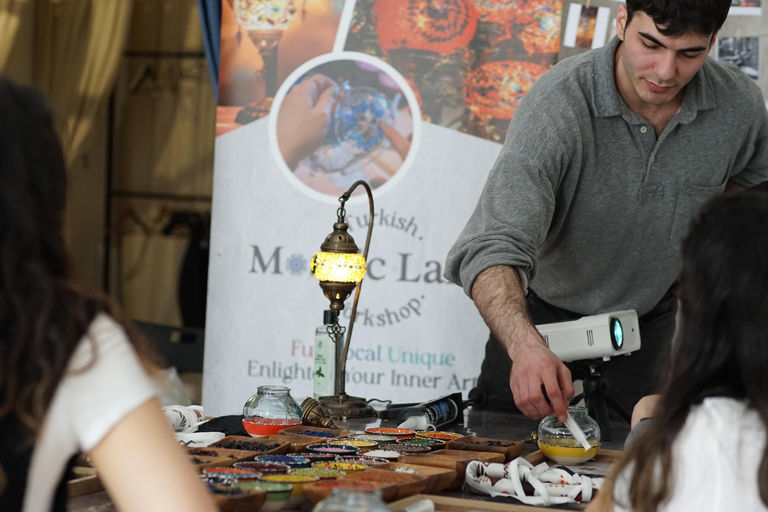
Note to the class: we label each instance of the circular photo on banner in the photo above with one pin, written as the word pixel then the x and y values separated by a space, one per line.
pixel 341 118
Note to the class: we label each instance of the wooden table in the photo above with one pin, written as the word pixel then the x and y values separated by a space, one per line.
pixel 477 422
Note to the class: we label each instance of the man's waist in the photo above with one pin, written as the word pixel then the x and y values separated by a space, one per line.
pixel 667 301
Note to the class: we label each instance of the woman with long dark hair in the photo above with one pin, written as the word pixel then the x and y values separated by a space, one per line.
pixel 705 446
pixel 71 380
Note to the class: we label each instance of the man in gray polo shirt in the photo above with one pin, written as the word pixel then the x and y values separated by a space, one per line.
pixel 606 159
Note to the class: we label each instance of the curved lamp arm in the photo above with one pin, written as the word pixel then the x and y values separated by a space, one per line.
pixel 344 198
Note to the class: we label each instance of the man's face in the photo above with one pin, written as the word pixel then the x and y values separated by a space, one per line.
pixel 656 68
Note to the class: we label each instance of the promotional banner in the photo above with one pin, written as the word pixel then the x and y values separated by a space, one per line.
pixel 412 96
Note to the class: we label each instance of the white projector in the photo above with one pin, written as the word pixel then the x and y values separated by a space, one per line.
pixel 593 337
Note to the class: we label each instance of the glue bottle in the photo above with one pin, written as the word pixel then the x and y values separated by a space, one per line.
pixel 433 414
pixel 324 374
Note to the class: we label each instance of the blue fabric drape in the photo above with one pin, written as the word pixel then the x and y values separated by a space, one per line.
pixel 210 20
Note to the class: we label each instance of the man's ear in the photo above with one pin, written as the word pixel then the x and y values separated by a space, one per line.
pixel 621 21
pixel 714 38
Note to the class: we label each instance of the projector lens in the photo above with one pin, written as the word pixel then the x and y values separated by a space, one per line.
pixel 617 334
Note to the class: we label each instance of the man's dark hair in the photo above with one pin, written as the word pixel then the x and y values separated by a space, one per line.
pixel 677 17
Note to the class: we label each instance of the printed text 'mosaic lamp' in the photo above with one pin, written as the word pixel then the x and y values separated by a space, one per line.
pixel 340 268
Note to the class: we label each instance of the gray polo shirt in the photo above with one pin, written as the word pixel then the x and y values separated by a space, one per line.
pixel 588 204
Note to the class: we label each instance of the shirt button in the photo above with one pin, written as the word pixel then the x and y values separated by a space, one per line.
pixel 643 129
pixel 653 159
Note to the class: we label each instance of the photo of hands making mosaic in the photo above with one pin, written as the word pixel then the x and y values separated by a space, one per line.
pixel 343 121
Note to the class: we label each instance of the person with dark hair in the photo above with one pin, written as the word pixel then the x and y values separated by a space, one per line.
pixel 645 408
pixel 71 380
pixel 607 158
pixel 705 446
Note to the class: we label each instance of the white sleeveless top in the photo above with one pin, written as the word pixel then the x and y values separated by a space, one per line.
pixel 715 460
pixel 88 403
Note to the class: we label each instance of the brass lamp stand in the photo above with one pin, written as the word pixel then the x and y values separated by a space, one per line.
pixel 340 268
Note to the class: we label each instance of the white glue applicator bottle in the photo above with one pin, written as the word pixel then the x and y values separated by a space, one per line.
pixel 433 414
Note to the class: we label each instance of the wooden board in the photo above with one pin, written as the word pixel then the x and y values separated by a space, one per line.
pixel 246 500
pixel 601 462
pixel 317 491
pixel 298 443
pixel 227 453
pixel 598 466
pixel 202 462
pixel 446 504
pixel 338 433
pixel 439 478
pixel 451 459
pixel 281 447
pixel 407 484
pixel 511 451
pixel 87 481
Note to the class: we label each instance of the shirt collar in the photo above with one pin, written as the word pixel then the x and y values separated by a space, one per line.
pixel 699 95
pixel 607 102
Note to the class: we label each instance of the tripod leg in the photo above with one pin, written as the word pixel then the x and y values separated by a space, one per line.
pixel 616 406
pixel 598 409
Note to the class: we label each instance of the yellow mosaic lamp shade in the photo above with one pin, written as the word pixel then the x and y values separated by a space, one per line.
pixel 338 267
pixel 264 14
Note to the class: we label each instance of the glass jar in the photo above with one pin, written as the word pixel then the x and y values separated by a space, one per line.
pixel 556 441
pixel 345 500
pixel 270 410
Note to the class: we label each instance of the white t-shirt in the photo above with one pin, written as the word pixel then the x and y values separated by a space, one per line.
pixel 86 405
pixel 715 460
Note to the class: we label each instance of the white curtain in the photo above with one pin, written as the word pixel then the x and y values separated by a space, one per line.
pixel 9 27
pixel 79 45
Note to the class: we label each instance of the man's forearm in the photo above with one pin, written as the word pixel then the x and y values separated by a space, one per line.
pixel 539 381
pixel 498 295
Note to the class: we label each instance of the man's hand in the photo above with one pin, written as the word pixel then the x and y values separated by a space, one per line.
pixel 535 368
pixel 498 294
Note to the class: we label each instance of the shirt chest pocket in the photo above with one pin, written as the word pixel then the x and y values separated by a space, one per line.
pixel 689 200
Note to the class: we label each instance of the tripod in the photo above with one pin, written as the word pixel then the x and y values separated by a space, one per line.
pixel 597 394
